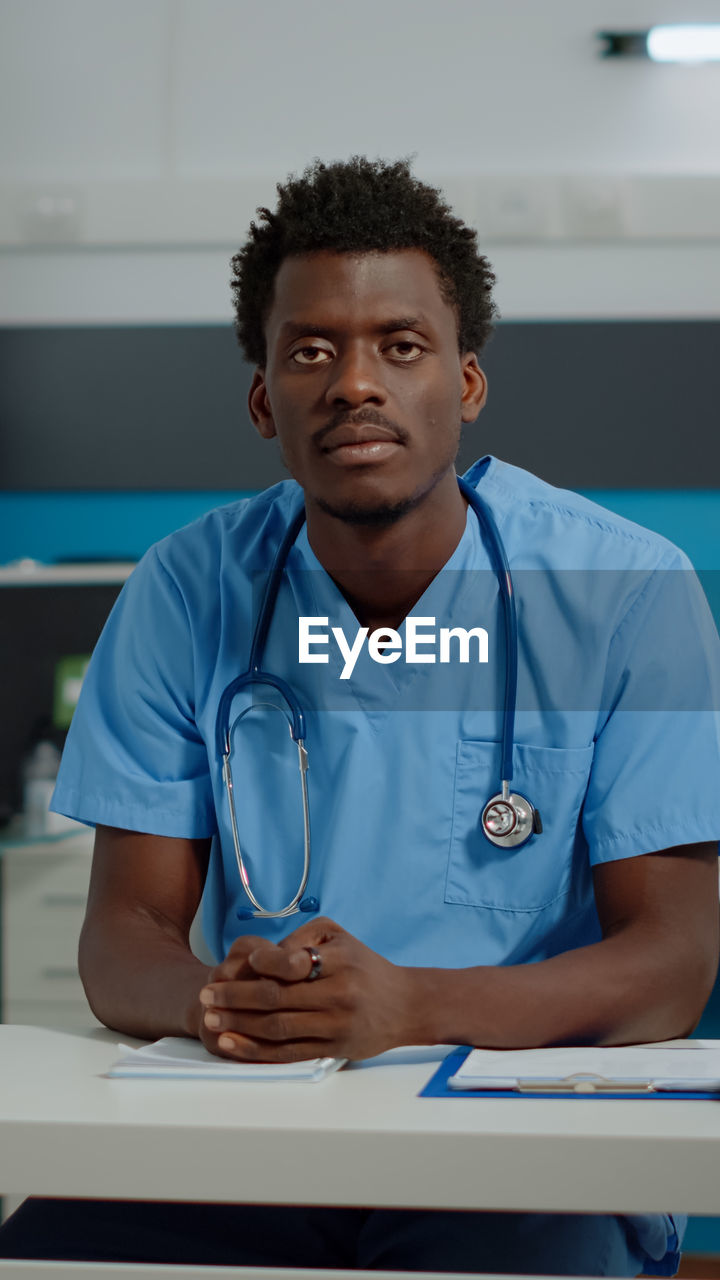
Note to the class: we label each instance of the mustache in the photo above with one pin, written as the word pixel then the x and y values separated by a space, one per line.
pixel 362 417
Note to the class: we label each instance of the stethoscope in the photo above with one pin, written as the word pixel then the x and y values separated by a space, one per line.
pixel 508 819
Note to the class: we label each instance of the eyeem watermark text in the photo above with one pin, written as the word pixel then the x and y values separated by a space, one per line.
pixel 386 645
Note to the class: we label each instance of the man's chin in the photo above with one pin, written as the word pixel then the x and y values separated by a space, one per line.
pixel 369 514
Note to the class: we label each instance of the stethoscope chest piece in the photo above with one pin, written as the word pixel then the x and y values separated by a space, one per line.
pixel 509 820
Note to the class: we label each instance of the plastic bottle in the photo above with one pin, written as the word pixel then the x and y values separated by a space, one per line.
pixel 39 773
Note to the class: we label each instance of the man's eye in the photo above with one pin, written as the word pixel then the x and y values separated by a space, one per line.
pixel 407 350
pixel 309 355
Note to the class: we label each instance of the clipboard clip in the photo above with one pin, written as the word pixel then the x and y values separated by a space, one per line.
pixel 583 1082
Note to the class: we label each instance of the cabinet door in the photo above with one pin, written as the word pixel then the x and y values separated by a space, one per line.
pixel 44 896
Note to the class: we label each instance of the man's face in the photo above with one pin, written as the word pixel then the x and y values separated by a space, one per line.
pixel 364 385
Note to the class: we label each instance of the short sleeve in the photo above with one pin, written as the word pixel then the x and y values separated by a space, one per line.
pixel 134 757
pixel 655 778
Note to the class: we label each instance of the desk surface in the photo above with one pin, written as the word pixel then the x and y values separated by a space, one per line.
pixel 360 1137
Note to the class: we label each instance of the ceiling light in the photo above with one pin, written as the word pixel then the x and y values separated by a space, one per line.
pixel 691 42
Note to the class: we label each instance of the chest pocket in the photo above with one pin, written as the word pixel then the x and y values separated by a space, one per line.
pixel 534 876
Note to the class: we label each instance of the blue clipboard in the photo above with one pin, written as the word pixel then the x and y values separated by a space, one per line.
pixel 437 1087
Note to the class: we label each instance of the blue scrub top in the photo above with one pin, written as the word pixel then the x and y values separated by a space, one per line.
pixel 617 736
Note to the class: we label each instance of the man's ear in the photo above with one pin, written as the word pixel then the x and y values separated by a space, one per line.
pixel 259 406
pixel 475 387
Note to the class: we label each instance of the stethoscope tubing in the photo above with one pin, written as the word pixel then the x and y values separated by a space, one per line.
pixel 255 675
pixel 507 596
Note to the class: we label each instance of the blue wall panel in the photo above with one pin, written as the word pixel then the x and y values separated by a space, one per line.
pixel 61 526
pixel 89 526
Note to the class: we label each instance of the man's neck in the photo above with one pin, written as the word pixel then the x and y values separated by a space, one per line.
pixel 383 572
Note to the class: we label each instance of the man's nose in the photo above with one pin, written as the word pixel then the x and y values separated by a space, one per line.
pixel 356 379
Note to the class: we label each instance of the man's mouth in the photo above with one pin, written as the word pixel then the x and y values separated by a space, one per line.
pixel 365 442
pixel 364 451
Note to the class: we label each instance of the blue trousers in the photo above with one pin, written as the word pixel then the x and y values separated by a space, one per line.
pixel 369 1239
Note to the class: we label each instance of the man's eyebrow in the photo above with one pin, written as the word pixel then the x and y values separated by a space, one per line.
pixel 297 329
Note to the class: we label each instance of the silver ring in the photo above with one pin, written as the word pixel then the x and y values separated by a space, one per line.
pixel 316 967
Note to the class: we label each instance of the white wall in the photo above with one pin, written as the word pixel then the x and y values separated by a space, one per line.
pixel 138 136
pixel 226 88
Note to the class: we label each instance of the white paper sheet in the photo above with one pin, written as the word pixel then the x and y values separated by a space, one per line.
pixel 670 1064
pixel 177 1057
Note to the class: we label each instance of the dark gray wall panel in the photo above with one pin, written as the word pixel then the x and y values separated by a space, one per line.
pixel 605 405
pixel 601 404
pixel 38 626
pixel 127 408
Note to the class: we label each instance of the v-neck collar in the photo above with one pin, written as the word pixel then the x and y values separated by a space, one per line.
pixel 375 685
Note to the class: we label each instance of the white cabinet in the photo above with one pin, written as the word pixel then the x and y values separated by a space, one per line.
pixel 44 890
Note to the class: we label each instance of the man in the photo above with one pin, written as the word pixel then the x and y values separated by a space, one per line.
pixel 363 303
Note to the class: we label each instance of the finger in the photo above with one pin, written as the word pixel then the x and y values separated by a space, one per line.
pixel 246 1049
pixel 263 995
pixel 294 958
pixel 283 963
pixel 235 964
pixel 314 933
pixel 279 1027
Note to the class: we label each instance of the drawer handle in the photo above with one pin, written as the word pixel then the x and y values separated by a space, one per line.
pixel 59 972
pixel 64 900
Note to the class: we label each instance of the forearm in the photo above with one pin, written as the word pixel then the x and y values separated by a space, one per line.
pixel 613 992
pixel 140 976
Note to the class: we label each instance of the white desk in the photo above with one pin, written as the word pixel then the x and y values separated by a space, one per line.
pixel 362 1137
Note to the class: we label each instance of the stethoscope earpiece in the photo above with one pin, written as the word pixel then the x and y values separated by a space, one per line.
pixel 509 820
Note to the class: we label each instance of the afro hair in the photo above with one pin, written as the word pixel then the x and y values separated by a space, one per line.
pixel 361 206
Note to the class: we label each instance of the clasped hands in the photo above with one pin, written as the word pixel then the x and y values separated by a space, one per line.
pixel 258 1005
